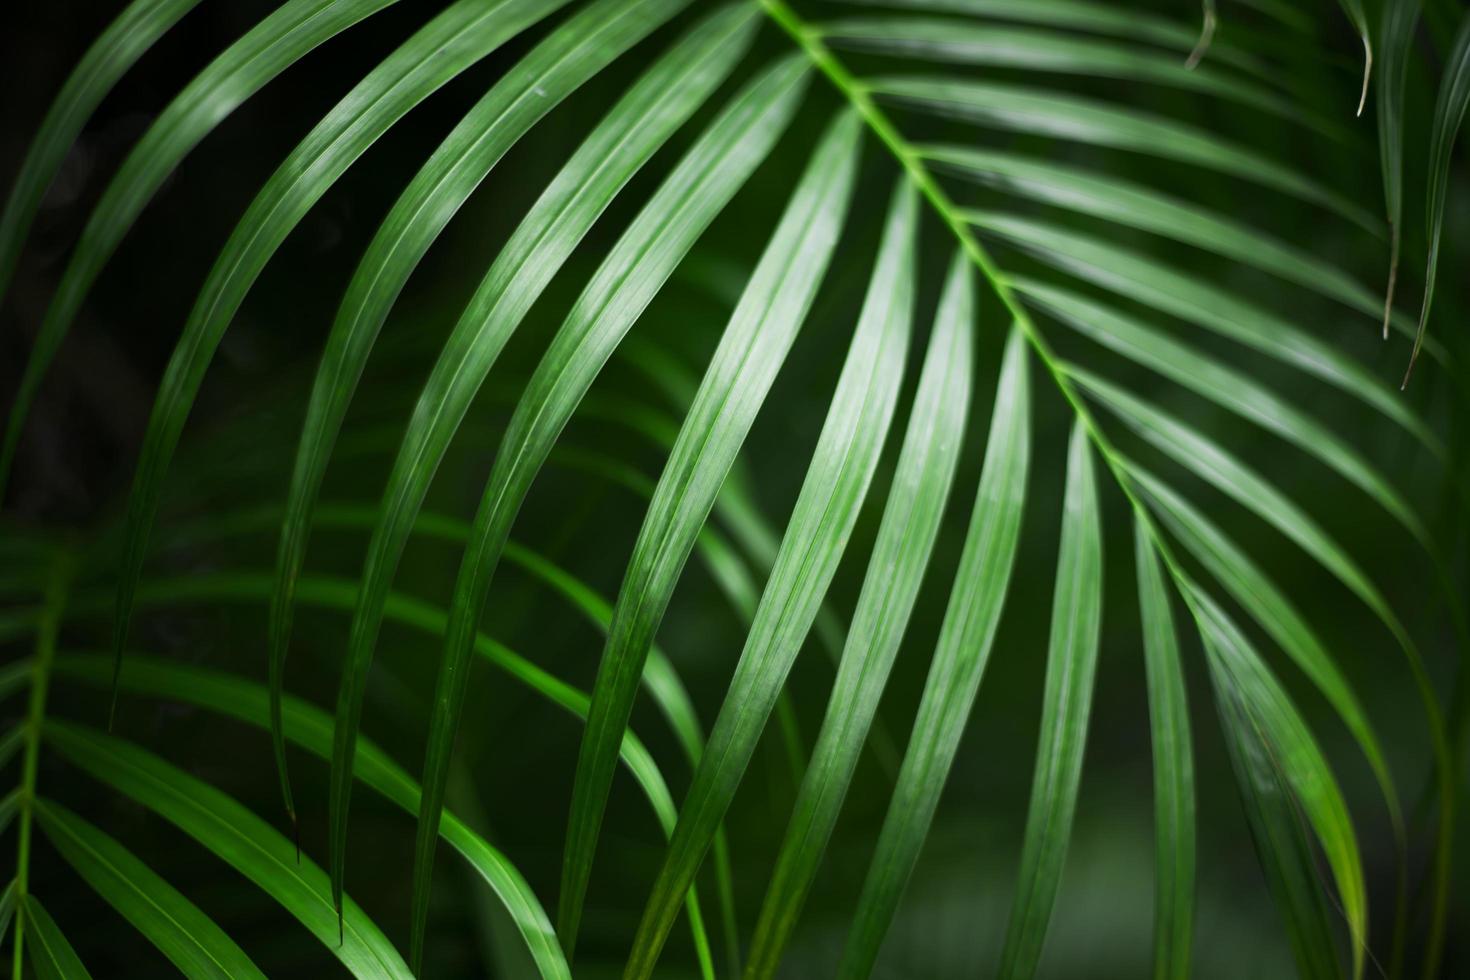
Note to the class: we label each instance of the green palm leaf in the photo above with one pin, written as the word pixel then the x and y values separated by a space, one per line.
pixel 1174 799
pixel 1395 34
pixel 116 50
pixel 1228 388
pixel 1113 171
pixel 755 342
pixel 237 837
pixel 959 663
pixel 311 728
pixel 1083 16
pixel 836 483
pixel 1071 664
pixel 1294 751
pixel 1281 841
pixel 1449 113
pixel 189 938
pixel 561 63
pixel 1155 284
pixel 1258 595
pixel 272 46
pixel 689 198
pixel 1016 108
pixel 51 955
pixel 442 49
pixel 946 41
pixel 341 594
pixel 911 520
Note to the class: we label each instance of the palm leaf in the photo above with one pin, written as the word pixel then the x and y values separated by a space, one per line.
pixel 1449 113
pixel 689 198
pixel 116 50
pixel 1258 594
pixel 1016 108
pixel 959 663
pixel 1071 664
pixel 947 41
pixel 1285 852
pixel 755 342
pixel 836 483
pixel 561 63
pixel 237 837
pixel 268 49
pixel 311 728
pixel 1083 16
pixel 906 536
pixel 1294 751
pixel 1395 34
pixel 1155 284
pixel 341 594
pixel 1227 206
pixel 51 955
pixel 1174 800
pixel 189 938
pixel 446 46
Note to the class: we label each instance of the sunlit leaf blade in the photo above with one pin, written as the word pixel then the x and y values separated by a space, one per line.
pixel 1151 282
pixel 1295 752
pixel 234 835
pixel 738 511
pixel 561 63
pixel 311 728
pixel 960 657
pixel 1040 112
pixel 1210 461
pixel 1226 387
pixel 1284 852
pixel 268 49
pixel 188 937
pixel 1449 113
pixel 630 133
pixel 116 50
pixel 1396 33
pixel 1138 206
pixel 992 46
pixel 51 956
pixel 1071 664
pixel 1174 802
pixel 446 46
pixel 754 345
pixel 836 483
pixel 340 594
pixel 1109 20
pixel 911 519
pixel 1259 596
pixel 638 265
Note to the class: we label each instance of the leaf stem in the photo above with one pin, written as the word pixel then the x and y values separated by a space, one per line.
pixel 49 625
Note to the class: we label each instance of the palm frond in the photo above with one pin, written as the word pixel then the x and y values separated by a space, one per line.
pixel 1163 266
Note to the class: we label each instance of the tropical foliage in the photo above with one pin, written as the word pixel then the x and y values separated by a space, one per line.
pixel 1076 338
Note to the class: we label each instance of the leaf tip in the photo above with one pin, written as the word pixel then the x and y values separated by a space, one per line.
pixel 1206 35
